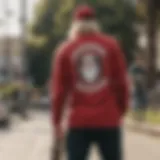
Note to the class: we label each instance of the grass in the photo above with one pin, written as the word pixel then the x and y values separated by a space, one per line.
pixel 151 117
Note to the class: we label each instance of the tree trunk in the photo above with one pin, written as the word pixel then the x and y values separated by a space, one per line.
pixel 152 52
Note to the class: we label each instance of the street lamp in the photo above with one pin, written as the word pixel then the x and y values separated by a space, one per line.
pixel 23 21
pixel 6 45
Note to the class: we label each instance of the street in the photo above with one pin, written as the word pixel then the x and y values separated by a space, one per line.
pixel 31 140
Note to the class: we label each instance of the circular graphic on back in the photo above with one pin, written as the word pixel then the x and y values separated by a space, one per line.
pixel 89 68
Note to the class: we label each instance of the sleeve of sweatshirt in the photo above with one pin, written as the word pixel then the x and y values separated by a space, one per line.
pixel 59 85
pixel 120 78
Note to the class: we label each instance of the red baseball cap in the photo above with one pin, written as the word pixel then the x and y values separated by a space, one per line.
pixel 84 12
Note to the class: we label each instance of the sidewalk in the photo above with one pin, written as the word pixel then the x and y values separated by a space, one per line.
pixel 142 127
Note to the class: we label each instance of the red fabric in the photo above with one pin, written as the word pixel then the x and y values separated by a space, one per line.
pixel 84 12
pixel 103 108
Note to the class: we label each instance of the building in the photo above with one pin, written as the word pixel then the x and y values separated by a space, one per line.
pixel 10 47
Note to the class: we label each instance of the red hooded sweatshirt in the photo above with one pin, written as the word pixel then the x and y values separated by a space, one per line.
pixel 91 70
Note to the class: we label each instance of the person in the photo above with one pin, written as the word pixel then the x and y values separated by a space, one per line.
pixel 21 97
pixel 138 74
pixel 89 69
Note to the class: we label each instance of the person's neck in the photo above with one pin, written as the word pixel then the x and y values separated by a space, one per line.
pixel 86 34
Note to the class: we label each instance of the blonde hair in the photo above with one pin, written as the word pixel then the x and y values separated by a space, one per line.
pixel 83 27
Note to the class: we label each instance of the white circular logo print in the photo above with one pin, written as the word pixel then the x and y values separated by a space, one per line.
pixel 88 62
pixel 89 68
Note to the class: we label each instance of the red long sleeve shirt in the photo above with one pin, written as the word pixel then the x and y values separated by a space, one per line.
pixel 91 70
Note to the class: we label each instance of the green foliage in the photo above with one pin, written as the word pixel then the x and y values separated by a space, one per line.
pixel 43 24
pixel 53 18
pixel 141 11
pixel 117 17
pixel 41 41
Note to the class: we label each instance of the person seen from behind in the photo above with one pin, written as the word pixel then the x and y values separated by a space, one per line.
pixel 90 69
pixel 138 73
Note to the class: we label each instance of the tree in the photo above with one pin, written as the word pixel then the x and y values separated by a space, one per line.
pixel 53 18
pixel 153 6
pixel 41 40
pixel 141 10
pixel 117 17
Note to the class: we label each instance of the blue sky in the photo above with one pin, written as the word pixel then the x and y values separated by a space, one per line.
pixel 11 25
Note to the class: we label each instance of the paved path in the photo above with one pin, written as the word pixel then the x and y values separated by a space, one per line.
pixel 31 141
